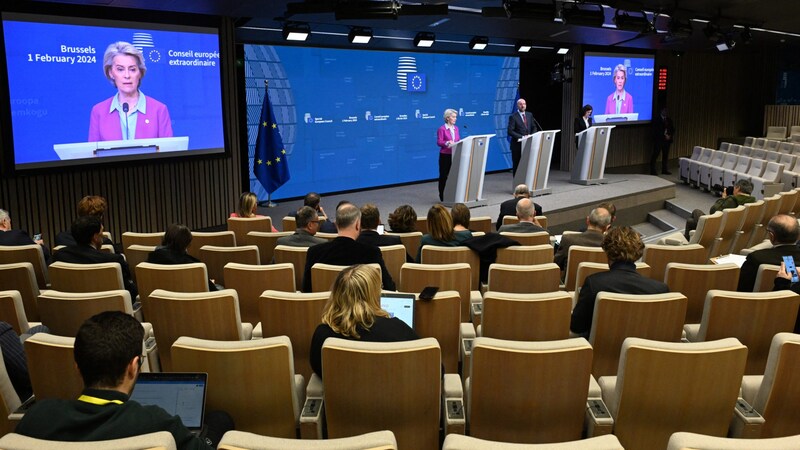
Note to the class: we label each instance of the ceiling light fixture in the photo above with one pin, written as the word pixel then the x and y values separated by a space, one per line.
pixel 424 39
pixel 583 14
pixel 296 31
pixel 360 35
pixel 478 42
pixel 632 22
pixel 563 51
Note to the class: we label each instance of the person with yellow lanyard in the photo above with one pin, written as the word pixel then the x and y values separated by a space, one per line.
pixel 108 355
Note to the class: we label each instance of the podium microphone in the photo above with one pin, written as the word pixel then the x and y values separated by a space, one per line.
pixel 537 123
pixel 125 110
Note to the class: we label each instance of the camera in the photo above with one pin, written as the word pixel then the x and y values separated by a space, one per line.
pixel 729 190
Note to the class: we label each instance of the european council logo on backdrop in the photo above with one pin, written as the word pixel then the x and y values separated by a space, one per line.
pixel 408 77
pixel 144 42
pixel 416 82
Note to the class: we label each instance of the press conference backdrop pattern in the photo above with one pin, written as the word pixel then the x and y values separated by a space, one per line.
pixel 354 119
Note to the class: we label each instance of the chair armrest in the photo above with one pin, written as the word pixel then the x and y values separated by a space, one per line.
pixel 747 422
pixel 466 338
pixel 453 403
pixel 692 332
pixel 311 415
pixel 258 331
pixel 475 309
pixel 247 331
pixel 594 389
pixel 750 386
pixel 598 420
pixel 148 330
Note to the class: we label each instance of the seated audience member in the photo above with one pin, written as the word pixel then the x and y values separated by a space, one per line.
pixel 14 359
pixel 623 246
pixel 370 219
pixel 91 205
pixel 440 228
pixel 344 250
pixel 173 249
pixel 741 195
pixel 597 222
pixel 307 226
pixel 87 231
pixel 354 312
pixel 783 232
pixel 527 221
pixel 248 204
pixel 11 237
pixel 509 207
pixel 608 206
pixel 461 216
pixel 108 355
pixel 783 280
pixel 403 220
pixel 312 199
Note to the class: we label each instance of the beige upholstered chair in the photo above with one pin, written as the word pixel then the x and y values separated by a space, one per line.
pixel 525 254
pixel 732 222
pixel 440 318
pixel 481 223
pixel 528 392
pixel 585 269
pixel 323 276
pixel 243 225
pixel 175 277
pixel 695 280
pixel 765 277
pixel 51 365
pixel 136 254
pixel 459 442
pixel 422 225
pixel 148 239
pixel 752 317
pixel 664 387
pixel 250 281
pixel 161 440
pixel 524 279
pixel 377 440
pixel 69 277
pixel 394 256
pixel 253 381
pixel 693 441
pixel 12 311
pixel 432 254
pixel 788 199
pixel 577 255
pixel 21 277
pixel 289 224
pixel 526 317
pixel 9 400
pixel 293 314
pixel 752 216
pixel 658 256
pixel 447 277
pixel 266 243
pixel 204 315
pixel 64 312
pixel 27 253
pixel 216 238
pixel 294 255
pixel 538 238
pixel 215 259
pixel 410 241
pixel 771 206
pixel 620 316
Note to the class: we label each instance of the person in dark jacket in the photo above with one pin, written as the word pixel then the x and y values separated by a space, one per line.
pixel 173 249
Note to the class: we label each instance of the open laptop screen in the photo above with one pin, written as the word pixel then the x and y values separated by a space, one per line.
pixel 400 306
pixel 180 394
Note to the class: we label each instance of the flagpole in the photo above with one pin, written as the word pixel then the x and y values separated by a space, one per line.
pixel 269 203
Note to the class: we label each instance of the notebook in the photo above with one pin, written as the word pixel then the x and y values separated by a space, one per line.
pixel 180 394
pixel 400 306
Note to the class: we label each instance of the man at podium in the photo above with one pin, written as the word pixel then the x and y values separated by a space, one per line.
pixel 446 137
pixel 520 124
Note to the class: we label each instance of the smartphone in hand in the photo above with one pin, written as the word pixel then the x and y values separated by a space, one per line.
pixel 791 269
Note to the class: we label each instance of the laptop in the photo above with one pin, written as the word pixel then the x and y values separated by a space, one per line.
pixel 180 394
pixel 400 306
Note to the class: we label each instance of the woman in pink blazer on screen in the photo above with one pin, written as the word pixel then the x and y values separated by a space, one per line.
pixel 446 136
pixel 620 96
pixel 123 65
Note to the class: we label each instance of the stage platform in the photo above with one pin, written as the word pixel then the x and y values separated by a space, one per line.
pixel 634 195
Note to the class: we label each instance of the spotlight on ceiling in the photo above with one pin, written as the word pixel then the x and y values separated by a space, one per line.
pixel 296 31
pixel 424 39
pixel 680 29
pixel 632 22
pixel 355 10
pixel 725 43
pixel 746 35
pixel 523 46
pixel 563 51
pixel 478 42
pixel 360 35
pixel 583 14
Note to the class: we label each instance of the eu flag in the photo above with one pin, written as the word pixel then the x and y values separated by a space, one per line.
pixel 269 162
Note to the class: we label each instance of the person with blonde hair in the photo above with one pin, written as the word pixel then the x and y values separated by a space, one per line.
pixel 623 246
pixel 354 312
pixel 440 230
pixel 446 136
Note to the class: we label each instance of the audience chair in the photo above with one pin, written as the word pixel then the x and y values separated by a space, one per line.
pixel 771 206
pixel 266 243
pixel 776 133
pixel 752 216
pixel 217 239
pixel 398 389
pixel 9 401
pixel 241 226
pixel 394 256
pixel 716 177
pixel 161 440
pixel 481 223
pixel 752 317
pixel 620 316
pixel 215 258
pixel 459 442
pixel 323 276
pixel 796 210
pixel 204 315
pixel 410 240
pixel 524 279
pixel 27 253
pixel 20 277
pixel 238 440
pixel 769 182
pixel 693 441
pixel 447 277
pixel 64 312
pixel 776 394
pixel 788 199
pixel 658 256
pixel 526 317
pixel 432 254
pixel 695 280
pixel 703 170
pixel 289 224
pixel 732 221
pixel 525 255
pixel 683 163
pixel 51 365
pixel 664 387
pixel 12 312
pixel 694 165
pixel 510 220
pixel 294 255
pixel 528 392
pixel 296 315
pixel 537 238
pixel 440 318
pixel 69 277
pixel 253 381
pixel 578 254
pixel 175 277
pixel 765 277
pixel 251 280
pixel 743 163
pixel 136 254
pixel 422 225
pixel 148 239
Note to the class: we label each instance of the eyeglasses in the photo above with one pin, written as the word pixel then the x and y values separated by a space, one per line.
pixel 141 361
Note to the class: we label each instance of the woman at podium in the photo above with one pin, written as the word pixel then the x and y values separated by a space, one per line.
pixel 446 137
pixel 583 121
pixel 128 114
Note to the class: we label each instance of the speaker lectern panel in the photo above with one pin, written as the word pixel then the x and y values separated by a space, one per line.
pixel 590 162
pixel 534 163
pixel 465 181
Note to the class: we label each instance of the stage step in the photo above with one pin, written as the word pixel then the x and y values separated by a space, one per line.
pixel 660 223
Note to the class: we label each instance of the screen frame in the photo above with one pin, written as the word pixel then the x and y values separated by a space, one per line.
pixel 127 18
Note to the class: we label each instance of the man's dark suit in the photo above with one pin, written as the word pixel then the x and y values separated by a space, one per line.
pixel 521 227
pixel 622 278
pixel 517 128
pixel 300 238
pixel 344 251
pixel 19 237
pixel 509 208
pixel 587 238
pixel 84 254
pixel 774 255
pixel 372 238
pixel 325 226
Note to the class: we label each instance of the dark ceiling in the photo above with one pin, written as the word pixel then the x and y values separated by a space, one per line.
pixel 258 20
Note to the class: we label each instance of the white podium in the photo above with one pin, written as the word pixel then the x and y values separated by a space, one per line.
pixel 465 180
pixel 534 163
pixel 80 150
pixel 590 162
